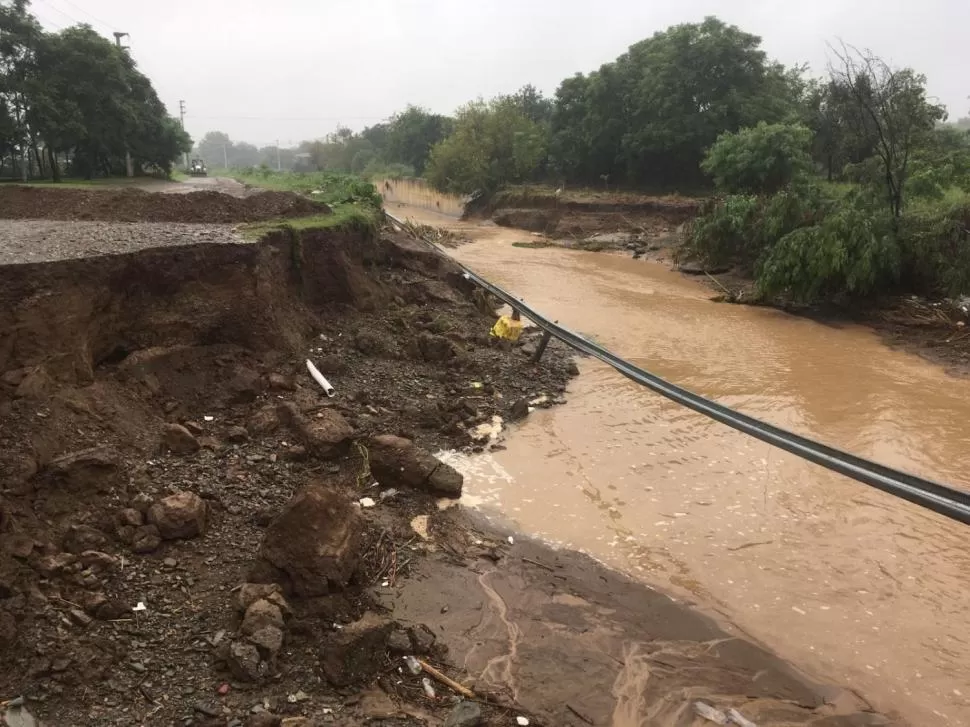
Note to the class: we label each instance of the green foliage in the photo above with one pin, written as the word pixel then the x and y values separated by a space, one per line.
pixel 849 253
pixel 75 94
pixel 345 217
pixel 411 134
pixel 493 144
pixel 649 116
pixel 334 188
pixel 759 160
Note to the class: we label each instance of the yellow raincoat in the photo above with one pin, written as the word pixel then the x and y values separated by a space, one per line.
pixel 507 328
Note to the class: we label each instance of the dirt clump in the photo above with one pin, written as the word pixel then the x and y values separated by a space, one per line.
pixel 135 205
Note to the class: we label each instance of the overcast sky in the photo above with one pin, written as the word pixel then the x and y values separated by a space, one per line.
pixel 294 69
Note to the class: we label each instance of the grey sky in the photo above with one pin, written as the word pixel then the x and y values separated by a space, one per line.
pixel 294 69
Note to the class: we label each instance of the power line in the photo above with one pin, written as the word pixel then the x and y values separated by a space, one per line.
pixel 85 12
pixel 56 9
pixel 288 118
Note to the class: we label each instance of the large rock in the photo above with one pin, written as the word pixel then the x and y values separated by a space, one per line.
pixel 325 436
pixel 315 541
pixel 182 515
pixel 398 462
pixel 259 615
pixel 88 469
pixel 178 440
pixel 357 653
pixel 435 348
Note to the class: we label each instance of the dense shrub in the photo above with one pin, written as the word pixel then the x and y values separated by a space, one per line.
pixel 759 160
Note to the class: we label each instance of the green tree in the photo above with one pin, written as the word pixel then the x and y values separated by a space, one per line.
pixel 759 160
pixel 888 109
pixel 410 136
pixel 493 144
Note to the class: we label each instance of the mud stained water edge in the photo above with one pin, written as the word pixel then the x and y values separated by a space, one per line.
pixel 848 582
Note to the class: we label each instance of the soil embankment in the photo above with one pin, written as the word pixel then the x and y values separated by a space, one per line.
pixel 192 533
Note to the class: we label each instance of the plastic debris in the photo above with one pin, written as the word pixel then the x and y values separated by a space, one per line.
pixel 511 540
pixel 428 688
pixel 390 492
pixel 522 721
pixel 739 719
pixel 140 607
pixel 709 713
pixel 414 666
pixel 208 419
pixel 367 502
pixel 385 584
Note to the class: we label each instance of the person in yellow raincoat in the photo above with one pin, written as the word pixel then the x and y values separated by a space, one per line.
pixel 508 328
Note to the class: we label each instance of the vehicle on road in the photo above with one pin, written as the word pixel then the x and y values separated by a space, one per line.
pixel 197 168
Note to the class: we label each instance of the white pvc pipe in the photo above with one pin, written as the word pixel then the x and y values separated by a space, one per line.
pixel 318 377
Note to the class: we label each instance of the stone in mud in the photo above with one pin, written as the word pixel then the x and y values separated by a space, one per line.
pixel 264 421
pixel 36 384
pixel 243 661
pixel 435 348
pixel 178 516
pixel 83 537
pixel 398 642
pixel 88 469
pixel 465 714
pixel 315 542
pixel 520 410
pixel 325 436
pixel 250 593
pixel 129 516
pixel 422 639
pixel 145 539
pixel 259 615
pixel 268 641
pixel 357 653
pixel 398 462
pixel 237 435
pixel 178 440
pixel 281 382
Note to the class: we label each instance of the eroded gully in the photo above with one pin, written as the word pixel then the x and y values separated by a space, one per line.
pixel 847 582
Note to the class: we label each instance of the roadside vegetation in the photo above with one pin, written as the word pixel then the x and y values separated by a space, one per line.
pixel 832 188
pixel 72 103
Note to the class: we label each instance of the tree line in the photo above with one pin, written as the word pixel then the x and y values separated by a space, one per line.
pixel 74 102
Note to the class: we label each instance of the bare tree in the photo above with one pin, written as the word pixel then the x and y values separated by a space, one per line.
pixel 888 110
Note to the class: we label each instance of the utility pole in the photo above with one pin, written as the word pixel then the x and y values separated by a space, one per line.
pixel 225 157
pixel 279 167
pixel 185 155
pixel 129 169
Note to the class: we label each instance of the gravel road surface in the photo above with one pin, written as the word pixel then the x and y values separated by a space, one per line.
pixel 34 241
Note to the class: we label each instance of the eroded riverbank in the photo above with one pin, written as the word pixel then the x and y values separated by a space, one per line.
pixel 857 585
pixel 192 533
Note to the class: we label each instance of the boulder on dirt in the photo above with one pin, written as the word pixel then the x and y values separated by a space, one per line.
pixel 315 542
pixel 178 440
pixel 145 539
pixel 519 410
pixel 358 652
pixel 250 593
pixel 178 516
pixel 80 538
pixel 264 421
pixel 36 384
pixel 88 469
pixel 280 382
pixel 398 462
pixel 244 662
pixel 325 436
pixel 259 615
pixel 435 348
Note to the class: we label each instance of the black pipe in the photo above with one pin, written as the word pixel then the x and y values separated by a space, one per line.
pixel 942 499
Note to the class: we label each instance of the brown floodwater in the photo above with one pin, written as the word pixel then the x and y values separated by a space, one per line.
pixel 851 584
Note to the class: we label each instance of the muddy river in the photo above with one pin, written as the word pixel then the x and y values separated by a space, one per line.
pixel 847 582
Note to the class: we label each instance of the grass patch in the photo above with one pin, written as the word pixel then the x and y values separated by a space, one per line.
pixel 344 217
pixel 70 183
pixel 334 188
